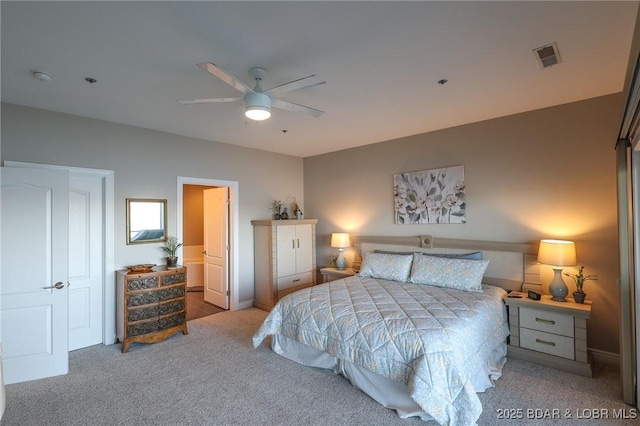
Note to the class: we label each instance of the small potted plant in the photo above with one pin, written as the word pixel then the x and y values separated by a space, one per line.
pixel 580 278
pixel 277 209
pixel 171 247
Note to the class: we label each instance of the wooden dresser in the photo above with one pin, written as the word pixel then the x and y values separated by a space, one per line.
pixel 152 306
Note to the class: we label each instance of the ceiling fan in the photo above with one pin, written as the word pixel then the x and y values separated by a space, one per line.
pixel 258 102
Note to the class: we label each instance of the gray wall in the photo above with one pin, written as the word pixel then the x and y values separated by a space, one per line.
pixel 541 174
pixel 546 173
pixel 146 165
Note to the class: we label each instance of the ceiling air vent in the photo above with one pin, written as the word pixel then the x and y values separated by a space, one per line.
pixel 547 55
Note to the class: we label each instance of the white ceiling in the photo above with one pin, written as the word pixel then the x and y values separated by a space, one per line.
pixel 381 60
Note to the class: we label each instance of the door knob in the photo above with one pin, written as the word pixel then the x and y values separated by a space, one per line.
pixel 59 285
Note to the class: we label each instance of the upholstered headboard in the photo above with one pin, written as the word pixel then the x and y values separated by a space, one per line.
pixel 512 266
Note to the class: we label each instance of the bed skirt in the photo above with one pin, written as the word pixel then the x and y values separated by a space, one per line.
pixel 389 393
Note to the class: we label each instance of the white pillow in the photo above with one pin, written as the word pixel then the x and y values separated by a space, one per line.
pixel 386 266
pixel 458 274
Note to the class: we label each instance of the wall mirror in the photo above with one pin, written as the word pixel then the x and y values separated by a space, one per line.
pixel 146 220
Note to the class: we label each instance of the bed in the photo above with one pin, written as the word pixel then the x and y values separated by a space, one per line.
pixel 421 328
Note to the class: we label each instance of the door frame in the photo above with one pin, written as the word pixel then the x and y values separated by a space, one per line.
pixel 234 231
pixel 108 276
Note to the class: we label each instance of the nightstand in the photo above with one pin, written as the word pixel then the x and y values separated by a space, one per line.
pixel 550 333
pixel 332 274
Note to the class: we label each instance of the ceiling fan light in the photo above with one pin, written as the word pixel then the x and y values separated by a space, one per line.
pixel 257 113
pixel 257 106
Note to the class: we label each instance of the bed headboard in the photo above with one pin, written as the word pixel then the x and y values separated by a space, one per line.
pixel 512 266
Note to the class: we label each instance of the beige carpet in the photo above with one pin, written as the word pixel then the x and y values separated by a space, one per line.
pixel 213 376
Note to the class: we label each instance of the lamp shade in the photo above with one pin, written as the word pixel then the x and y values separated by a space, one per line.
pixel 340 240
pixel 557 253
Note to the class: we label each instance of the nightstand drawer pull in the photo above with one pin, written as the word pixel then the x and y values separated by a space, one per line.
pixel 550 322
pixel 296 280
pixel 552 344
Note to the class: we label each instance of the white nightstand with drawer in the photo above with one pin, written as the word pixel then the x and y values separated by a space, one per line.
pixel 332 274
pixel 550 333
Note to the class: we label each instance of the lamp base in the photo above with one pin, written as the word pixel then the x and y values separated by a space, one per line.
pixel 341 262
pixel 557 287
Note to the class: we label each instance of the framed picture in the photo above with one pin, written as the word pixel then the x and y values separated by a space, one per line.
pixel 430 196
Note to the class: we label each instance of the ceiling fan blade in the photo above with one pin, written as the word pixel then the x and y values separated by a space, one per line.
pixel 290 106
pixel 210 100
pixel 310 81
pixel 212 68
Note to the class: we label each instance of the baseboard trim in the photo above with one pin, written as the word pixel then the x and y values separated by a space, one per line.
pixel 605 357
pixel 244 305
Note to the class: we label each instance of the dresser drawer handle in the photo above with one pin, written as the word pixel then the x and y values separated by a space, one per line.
pixel 545 342
pixel 296 280
pixel 546 321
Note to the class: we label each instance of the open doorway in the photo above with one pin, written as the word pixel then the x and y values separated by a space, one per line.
pixel 207 227
pixel 195 219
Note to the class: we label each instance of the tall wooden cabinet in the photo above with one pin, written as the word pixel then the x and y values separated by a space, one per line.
pixel 152 306
pixel 285 258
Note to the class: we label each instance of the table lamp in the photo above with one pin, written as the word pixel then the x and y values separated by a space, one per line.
pixel 340 240
pixel 557 254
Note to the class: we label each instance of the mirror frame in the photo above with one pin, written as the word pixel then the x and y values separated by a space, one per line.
pixel 163 203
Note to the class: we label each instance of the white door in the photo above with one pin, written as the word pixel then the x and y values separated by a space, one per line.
pixel 295 249
pixel 304 248
pixel 85 261
pixel 34 293
pixel 286 247
pixel 216 246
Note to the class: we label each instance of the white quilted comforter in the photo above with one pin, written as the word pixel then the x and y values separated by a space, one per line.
pixel 431 339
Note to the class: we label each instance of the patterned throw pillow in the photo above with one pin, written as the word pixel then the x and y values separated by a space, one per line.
pixel 384 266
pixel 459 274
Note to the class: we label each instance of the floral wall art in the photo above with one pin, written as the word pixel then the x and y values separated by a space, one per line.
pixel 430 196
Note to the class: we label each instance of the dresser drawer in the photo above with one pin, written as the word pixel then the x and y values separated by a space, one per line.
pixel 142 283
pixel 548 343
pixel 171 321
pixel 142 328
pixel 175 278
pixel 550 322
pixel 295 280
pixel 139 314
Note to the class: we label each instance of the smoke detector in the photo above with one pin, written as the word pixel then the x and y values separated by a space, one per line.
pixel 42 75
pixel 548 55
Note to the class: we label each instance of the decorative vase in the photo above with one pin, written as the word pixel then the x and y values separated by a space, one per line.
pixel 172 262
pixel 276 216
pixel 298 214
pixel 579 296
